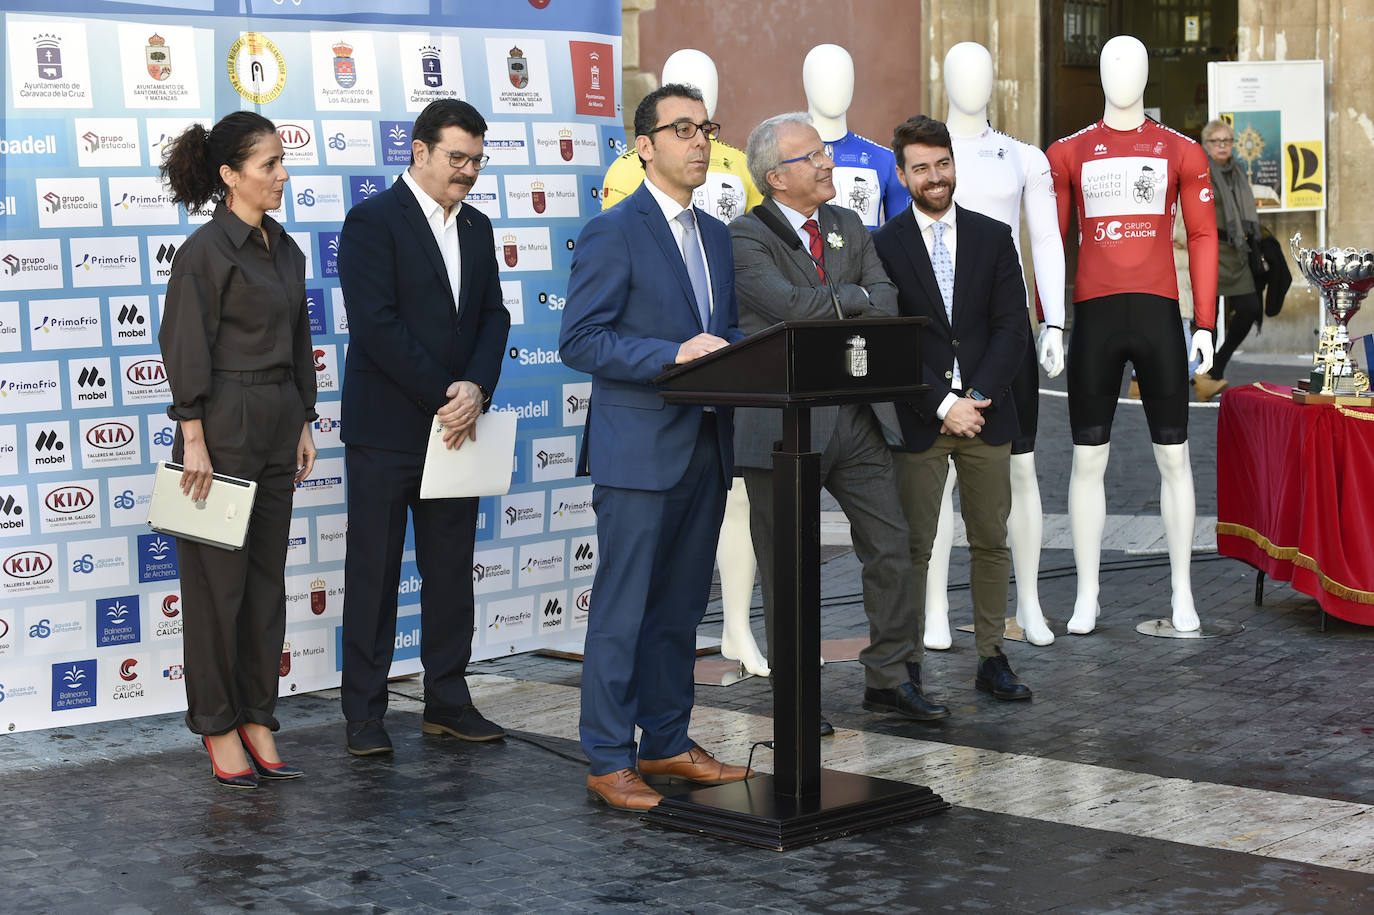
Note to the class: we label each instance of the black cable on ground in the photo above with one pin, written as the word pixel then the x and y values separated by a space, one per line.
pixel 514 735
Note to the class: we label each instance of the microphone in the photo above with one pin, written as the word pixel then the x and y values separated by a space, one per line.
pixel 792 240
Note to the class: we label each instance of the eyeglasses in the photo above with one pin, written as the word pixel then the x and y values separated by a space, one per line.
pixel 1220 141
pixel 685 130
pixel 817 158
pixel 458 160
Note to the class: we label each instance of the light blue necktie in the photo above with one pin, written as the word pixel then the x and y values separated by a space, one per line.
pixel 696 265
pixel 944 268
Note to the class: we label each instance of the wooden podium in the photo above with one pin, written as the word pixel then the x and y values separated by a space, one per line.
pixel 795 366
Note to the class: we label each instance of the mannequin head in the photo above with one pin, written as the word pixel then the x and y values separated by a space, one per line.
pixel 1125 67
pixel 828 78
pixel 694 68
pixel 968 78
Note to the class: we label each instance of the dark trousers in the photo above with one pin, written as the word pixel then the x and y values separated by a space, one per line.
pixel 1242 313
pixel 856 468
pixel 383 487
pixel 650 592
pixel 984 500
pixel 235 619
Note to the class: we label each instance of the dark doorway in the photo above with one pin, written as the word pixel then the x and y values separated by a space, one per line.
pixel 1180 35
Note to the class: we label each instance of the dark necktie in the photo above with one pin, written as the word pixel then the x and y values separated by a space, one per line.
pixel 817 251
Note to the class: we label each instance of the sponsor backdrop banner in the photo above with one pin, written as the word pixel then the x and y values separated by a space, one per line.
pixel 90 606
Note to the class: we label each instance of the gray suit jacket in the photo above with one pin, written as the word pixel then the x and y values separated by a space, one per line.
pixel 775 282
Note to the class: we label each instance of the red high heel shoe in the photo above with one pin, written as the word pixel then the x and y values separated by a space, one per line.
pixel 266 769
pixel 244 779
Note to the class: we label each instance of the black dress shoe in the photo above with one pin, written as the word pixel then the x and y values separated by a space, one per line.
pixel 465 723
pixel 367 738
pixel 995 676
pixel 905 700
pixel 827 729
pixel 244 779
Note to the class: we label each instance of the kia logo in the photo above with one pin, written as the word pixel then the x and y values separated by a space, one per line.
pixel 69 499
pixel 293 136
pixel 110 435
pixel 147 373
pixel 27 564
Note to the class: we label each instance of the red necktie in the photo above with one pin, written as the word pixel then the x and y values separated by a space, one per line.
pixel 817 251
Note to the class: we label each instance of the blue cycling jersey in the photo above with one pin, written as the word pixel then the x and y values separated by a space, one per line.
pixel 866 179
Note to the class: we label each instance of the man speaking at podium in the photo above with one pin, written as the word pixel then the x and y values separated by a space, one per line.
pixel 796 258
pixel 652 284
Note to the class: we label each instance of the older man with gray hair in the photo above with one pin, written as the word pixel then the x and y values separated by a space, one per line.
pixel 796 259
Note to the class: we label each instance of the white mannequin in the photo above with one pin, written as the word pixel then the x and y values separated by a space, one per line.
pixel 1125 69
pixel 734 550
pixel 828 78
pixel 694 68
pixel 968 76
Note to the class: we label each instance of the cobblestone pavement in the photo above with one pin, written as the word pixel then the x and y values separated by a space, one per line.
pixel 124 817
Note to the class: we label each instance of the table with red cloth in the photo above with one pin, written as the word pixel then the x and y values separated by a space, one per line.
pixel 1295 494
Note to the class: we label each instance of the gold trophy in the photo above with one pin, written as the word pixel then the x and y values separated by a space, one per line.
pixel 1343 277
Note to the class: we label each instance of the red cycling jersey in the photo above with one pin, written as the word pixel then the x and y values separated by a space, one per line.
pixel 1126 186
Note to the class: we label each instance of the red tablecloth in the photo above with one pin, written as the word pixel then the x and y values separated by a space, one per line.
pixel 1295 495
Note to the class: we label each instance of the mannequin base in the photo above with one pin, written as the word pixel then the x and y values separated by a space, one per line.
pixel 1212 629
pixel 753 812
pixel 1013 630
pixel 719 673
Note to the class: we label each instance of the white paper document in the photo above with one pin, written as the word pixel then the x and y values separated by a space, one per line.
pixel 479 468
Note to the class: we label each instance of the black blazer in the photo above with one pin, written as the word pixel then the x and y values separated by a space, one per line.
pixel 407 342
pixel 990 329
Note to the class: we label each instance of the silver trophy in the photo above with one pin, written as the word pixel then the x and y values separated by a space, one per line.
pixel 1343 277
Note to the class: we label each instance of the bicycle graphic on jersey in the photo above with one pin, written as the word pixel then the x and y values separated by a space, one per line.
pixel 1145 184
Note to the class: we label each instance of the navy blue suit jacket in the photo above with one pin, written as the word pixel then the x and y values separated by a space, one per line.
pixel 989 328
pixel 407 341
pixel 630 305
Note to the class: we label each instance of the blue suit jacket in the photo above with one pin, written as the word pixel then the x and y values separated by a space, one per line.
pixel 630 305
pixel 407 341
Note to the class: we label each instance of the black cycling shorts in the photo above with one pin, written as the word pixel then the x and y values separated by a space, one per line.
pixel 1111 330
pixel 1025 393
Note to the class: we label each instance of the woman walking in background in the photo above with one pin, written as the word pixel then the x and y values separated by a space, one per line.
pixel 1237 230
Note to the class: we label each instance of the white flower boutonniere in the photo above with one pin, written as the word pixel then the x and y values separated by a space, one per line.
pixel 835 240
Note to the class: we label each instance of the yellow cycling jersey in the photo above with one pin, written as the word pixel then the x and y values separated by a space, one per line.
pixel 727 193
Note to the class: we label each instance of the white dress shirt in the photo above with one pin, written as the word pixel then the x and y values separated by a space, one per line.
pixel 951 240
pixel 671 209
pixel 445 231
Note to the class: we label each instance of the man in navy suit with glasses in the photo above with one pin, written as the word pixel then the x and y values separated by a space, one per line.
pixel 427 332
pixel 652 284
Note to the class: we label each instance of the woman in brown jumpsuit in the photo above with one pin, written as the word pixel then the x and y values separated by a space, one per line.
pixel 235 339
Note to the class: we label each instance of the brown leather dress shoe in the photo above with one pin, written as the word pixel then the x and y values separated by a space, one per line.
pixel 696 765
pixel 623 789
